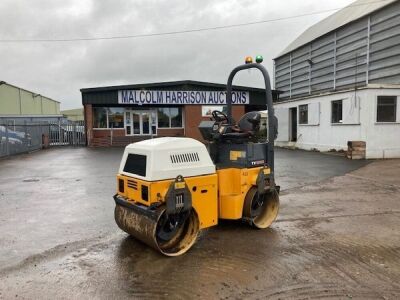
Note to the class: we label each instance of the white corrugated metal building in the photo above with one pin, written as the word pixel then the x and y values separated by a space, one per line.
pixel 340 82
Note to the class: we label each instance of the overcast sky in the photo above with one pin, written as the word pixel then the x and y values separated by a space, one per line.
pixel 60 70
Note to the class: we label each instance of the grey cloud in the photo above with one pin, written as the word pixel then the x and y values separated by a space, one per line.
pixel 59 70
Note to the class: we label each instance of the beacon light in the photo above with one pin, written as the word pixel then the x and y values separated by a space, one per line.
pixel 259 59
pixel 248 60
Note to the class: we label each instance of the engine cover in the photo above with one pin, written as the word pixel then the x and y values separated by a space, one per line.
pixel 166 158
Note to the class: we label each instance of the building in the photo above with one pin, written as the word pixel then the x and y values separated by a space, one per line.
pixel 118 115
pixel 24 119
pixel 73 114
pixel 20 106
pixel 340 82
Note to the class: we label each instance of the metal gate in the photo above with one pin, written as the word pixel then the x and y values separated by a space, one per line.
pixel 27 137
pixel 66 133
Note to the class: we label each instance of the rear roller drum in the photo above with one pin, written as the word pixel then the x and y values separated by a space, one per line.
pixel 261 210
pixel 172 235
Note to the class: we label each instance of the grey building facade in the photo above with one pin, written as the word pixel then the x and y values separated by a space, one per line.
pixel 339 82
pixel 357 46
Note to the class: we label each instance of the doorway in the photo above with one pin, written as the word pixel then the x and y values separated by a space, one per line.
pixel 140 122
pixel 293 124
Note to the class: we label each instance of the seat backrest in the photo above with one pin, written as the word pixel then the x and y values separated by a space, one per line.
pixel 250 122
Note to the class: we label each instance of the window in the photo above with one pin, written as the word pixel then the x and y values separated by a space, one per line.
pixel 108 117
pixel 99 117
pixel 386 109
pixel 163 117
pixel 115 117
pixel 176 117
pixel 169 117
pixel 337 111
pixel 135 164
pixel 206 110
pixel 303 114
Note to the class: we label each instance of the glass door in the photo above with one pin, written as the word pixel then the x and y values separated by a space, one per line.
pixel 153 122
pixel 136 123
pixel 141 122
pixel 146 122
pixel 128 124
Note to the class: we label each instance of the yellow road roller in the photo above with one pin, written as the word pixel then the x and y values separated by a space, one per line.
pixel 170 188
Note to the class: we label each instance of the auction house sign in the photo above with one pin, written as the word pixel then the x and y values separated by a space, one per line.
pixel 141 97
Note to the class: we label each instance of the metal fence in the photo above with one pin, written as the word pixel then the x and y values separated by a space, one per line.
pixel 15 139
pixel 67 133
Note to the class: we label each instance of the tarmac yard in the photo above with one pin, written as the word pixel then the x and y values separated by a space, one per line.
pixel 337 235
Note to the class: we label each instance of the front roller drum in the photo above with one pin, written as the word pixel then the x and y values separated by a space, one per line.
pixel 172 236
pixel 261 210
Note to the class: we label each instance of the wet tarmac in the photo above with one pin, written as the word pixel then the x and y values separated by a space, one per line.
pixel 336 236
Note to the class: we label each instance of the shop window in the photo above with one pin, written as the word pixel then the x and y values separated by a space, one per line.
pixel 163 117
pixel 115 117
pixel 386 109
pixel 99 117
pixel 169 117
pixel 303 114
pixel 206 110
pixel 337 111
pixel 176 116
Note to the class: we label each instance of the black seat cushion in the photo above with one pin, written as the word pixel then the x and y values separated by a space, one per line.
pixel 250 122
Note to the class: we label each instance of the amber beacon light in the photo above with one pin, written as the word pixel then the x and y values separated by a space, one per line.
pixel 249 60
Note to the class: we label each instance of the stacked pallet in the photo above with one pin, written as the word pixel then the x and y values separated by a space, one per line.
pixel 356 149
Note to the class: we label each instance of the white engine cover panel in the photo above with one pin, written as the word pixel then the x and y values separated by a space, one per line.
pixel 168 157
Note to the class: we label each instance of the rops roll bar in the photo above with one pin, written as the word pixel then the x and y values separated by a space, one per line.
pixel 271 115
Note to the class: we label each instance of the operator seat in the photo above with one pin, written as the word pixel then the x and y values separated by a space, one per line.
pixel 250 122
pixel 248 125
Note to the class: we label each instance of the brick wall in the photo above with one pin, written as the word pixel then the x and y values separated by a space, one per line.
pixel 100 133
pixel 170 132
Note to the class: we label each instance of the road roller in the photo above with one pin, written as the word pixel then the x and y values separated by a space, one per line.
pixel 170 188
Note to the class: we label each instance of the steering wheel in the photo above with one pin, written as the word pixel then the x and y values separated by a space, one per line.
pixel 219 116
